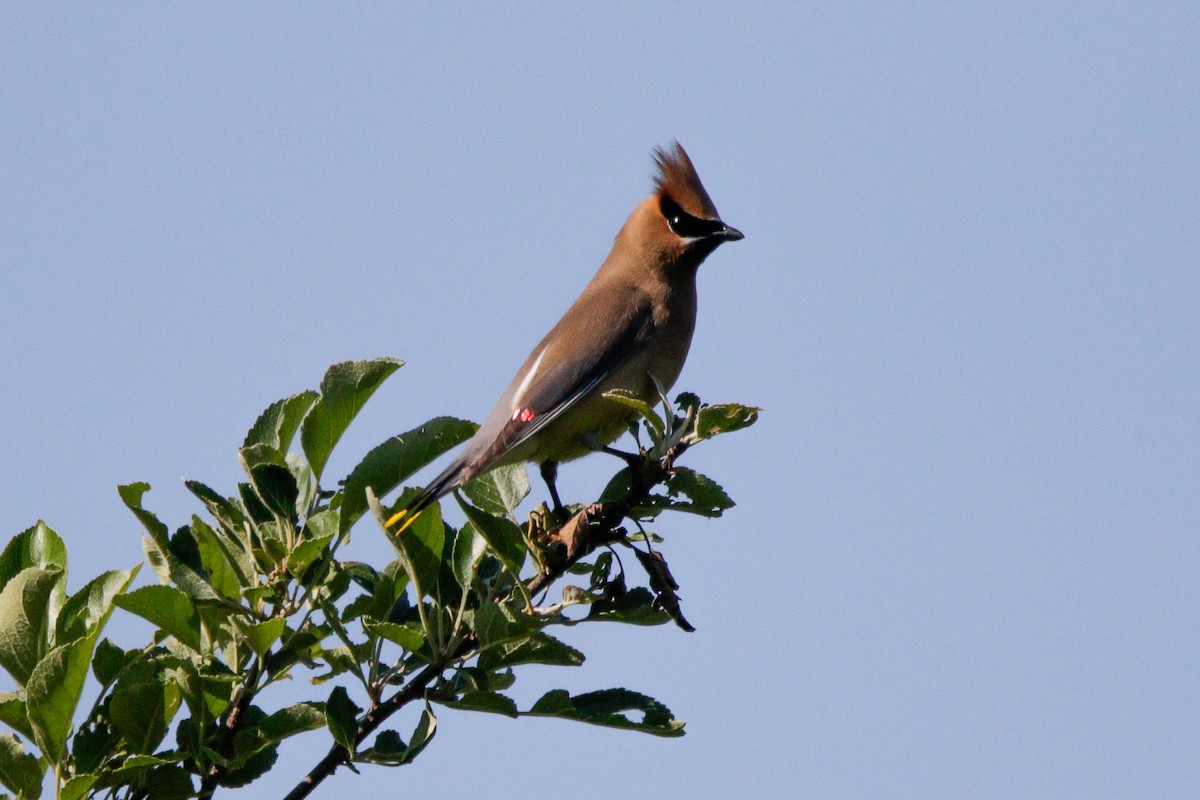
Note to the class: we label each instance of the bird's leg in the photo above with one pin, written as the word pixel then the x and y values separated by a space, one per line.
pixel 632 459
pixel 549 470
pixel 594 443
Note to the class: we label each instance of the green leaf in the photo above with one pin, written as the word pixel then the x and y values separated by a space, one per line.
pixel 24 619
pixel 664 586
pixel 216 693
pixel 171 569
pixel 278 726
pixel 322 523
pixel 138 765
pixel 143 704
pixel 420 548
pixel 387 600
pixel 687 491
pixel 394 461
pixel 306 483
pixel 502 535
pixel 469 549
pixel 704 495
pixel 480 680
pixel 78 787
pixel 256 512
pixel 227 564
pixel 724 418
pixel 53 693
pixel 687 401
pixel 20 772
pixel 363 574
pixel 107 661
pixel 226 511
pixel 607 708
pixel 246 770
pixel 600 569
pixel 131 494
pixel 38 546
pixel 277 425
pixel 255 767
pixel 273 482
pixel 331 586
pixel 491 702
pixel 169 782
pixel 159 552
pixel 293 719
pixel 261 636
pixel 168 609
pixel 500 490
pixel 86 611
pixel 422 735
pixel 618 486
pixel 411 640
pixel 306 552
pixel 391 750
pixel 643 409
pixel 220 627
pixel 338 659
pixel 540 648
pixel 94 743
pixel 345 388
pixel 341 715
pixel 497 625
pixel 388 749
pixel 13 713
pixel 635 607
pixel 182 546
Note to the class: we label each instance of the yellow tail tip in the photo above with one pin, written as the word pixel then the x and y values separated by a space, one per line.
pixel 400 515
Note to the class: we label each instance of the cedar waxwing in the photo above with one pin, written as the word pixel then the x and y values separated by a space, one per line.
pixel 631 325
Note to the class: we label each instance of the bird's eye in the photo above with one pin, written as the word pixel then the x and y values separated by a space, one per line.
pixel 684 225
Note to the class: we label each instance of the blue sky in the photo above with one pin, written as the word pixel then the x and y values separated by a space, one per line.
pixel 965 560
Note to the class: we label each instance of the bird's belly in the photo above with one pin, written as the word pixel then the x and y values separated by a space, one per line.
pixel 596 420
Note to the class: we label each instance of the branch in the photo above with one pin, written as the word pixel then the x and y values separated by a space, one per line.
pixel 338 755
pixel 599 524
pixel 592 527
pixel 225 747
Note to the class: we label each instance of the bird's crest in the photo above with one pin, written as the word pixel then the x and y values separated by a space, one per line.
pixel 677 180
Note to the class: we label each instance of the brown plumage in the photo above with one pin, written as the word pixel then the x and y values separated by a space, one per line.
pixel 631 325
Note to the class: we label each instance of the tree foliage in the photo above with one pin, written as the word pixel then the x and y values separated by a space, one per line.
pixel 252 592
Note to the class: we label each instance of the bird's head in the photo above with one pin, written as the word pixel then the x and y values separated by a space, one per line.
pixel 677 227
pixel 686 214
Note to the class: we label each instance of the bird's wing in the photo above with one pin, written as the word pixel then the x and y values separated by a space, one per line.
pixel 540 394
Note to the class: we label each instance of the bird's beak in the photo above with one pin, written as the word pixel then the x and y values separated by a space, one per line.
pixel 728 234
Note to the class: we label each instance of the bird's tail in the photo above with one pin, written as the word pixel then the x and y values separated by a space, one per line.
pixel 438 488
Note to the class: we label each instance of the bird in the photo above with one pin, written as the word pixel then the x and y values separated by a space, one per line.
pixel 631 326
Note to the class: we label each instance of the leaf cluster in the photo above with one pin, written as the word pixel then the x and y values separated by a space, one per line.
pixel 252 591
